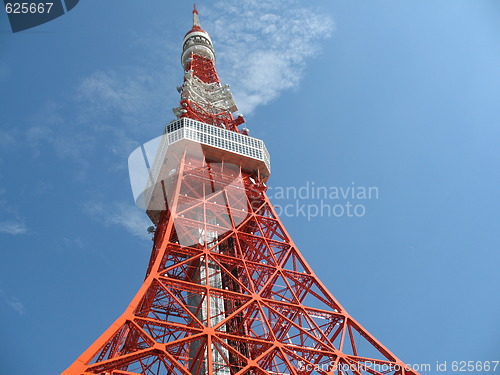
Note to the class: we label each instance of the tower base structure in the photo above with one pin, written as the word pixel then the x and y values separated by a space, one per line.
pixel 228 292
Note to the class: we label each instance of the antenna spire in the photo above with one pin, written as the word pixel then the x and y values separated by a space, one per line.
pixel 196 19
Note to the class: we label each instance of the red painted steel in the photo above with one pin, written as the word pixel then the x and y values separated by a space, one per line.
pixel 227 292
pixel 204 69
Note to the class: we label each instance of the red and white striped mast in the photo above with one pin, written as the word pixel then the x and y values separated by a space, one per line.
pixel 203 98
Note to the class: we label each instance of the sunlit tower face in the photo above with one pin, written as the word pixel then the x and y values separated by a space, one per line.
pixel 226 291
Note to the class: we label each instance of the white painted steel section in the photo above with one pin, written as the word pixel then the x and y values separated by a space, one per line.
pixel 218 137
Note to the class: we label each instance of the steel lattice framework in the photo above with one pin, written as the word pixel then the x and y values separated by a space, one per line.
pixel 226 291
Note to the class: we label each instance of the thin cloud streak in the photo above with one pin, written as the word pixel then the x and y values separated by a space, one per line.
pixel 13 227
pixel 11 222
pixel 127 216
pixel 125 104
pixel 13 302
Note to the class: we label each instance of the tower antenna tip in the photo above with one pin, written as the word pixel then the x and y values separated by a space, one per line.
pixel 196 20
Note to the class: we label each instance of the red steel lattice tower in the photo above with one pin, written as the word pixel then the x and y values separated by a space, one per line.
pixel 226 291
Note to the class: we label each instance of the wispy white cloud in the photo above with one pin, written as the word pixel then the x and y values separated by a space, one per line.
pixel 263 46
pixel 110 91
pixel 13 227
pixel 127 216
pixel 107 112
pixel 10 221
pixel 50 126
pixel 13 302
pixel 124 104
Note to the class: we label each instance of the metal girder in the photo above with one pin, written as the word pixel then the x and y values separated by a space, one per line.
pixel 245 302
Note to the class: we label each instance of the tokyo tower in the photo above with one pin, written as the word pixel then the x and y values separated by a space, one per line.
pixel 226 291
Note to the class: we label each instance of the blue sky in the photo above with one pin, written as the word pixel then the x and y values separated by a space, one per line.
pixel 402 96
